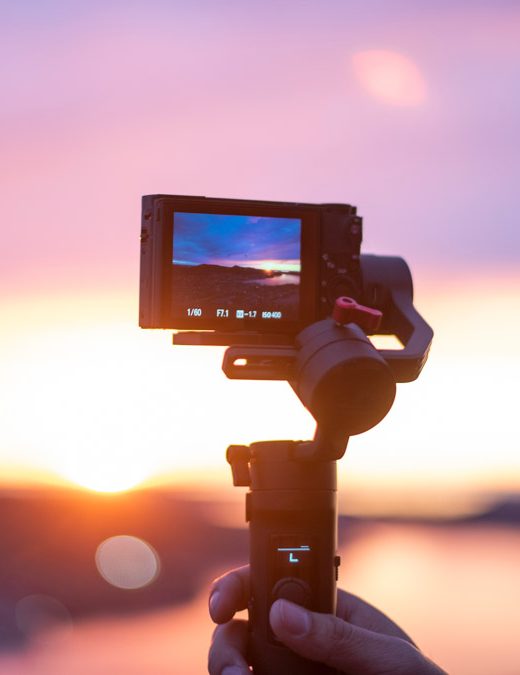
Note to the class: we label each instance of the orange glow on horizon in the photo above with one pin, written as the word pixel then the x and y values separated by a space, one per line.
pixel 278 265
pixel 91 398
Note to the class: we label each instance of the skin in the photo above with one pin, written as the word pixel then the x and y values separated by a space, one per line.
pixel 359 640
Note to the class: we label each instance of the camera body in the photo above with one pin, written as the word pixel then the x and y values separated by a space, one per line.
pixel 245 266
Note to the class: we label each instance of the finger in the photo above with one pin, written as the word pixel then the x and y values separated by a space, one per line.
pixel 361 613
pixel 342 645
pixel 229 594
pixel 226 654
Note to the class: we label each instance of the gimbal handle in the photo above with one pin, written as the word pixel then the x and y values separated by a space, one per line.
pixel 291 509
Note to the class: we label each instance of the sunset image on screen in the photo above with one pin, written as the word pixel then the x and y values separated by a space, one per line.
pixel 236 266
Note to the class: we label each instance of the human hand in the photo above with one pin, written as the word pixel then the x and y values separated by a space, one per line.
pixel 359 640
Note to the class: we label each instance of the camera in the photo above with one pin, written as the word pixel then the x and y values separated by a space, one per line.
pixel 233 265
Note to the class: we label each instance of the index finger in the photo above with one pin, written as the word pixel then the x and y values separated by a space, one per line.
pixel 228 649
pixel 229 594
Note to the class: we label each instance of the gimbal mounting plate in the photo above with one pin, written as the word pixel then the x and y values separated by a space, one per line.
pixel 387 287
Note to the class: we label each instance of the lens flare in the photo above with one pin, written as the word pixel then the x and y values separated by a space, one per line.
pixel 390 77
pixel 43 618
pixel 127 562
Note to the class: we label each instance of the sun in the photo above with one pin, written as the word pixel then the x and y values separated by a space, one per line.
pixel 109 472
pixel 107 484
pixel 278 265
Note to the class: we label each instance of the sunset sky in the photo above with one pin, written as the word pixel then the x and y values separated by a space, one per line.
pixel 408 110
pixel 220 239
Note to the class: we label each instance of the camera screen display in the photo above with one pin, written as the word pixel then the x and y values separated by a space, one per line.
pixel 236 266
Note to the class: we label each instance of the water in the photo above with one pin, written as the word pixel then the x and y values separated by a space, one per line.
pixel 455 590
pixel 280 280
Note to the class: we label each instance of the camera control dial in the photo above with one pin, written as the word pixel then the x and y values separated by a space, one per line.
pixel 294 590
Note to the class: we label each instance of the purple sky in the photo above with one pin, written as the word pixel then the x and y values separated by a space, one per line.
pixel 218 239
pixel 104 102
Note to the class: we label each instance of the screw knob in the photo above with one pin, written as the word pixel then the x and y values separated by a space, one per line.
pixel 346 310
pixel 238 457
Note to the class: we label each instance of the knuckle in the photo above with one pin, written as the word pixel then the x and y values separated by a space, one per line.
pixel 340 633
pixel 236 580
pixel 229 586
pixel 411 662
pixel 340 639
pixel 420 664
pixel 223 578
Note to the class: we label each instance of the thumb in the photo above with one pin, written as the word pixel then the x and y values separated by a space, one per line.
pixel 339 644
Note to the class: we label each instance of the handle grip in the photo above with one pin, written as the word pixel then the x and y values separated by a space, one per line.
pixel 292 516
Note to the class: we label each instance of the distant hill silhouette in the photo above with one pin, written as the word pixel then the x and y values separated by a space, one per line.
pixel 505 512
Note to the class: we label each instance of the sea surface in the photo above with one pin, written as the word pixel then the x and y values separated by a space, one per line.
pixel 454 589
pixel 279 280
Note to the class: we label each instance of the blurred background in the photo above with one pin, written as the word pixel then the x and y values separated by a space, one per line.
pixel 116 506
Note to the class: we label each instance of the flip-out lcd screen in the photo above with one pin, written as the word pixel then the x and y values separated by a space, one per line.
pixel 236 267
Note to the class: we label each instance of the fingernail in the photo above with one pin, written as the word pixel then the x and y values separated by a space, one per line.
pixel 233 670
pixel 295 618
pixel 213 601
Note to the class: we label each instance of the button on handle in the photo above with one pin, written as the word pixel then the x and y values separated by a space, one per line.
pixel 294 590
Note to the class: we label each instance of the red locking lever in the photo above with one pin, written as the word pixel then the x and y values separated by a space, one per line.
pixel 347 310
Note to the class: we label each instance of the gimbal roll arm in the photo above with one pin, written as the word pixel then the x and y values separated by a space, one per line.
pixel 388 286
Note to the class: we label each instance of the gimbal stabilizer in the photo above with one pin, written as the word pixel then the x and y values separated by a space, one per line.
pixel 348 386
